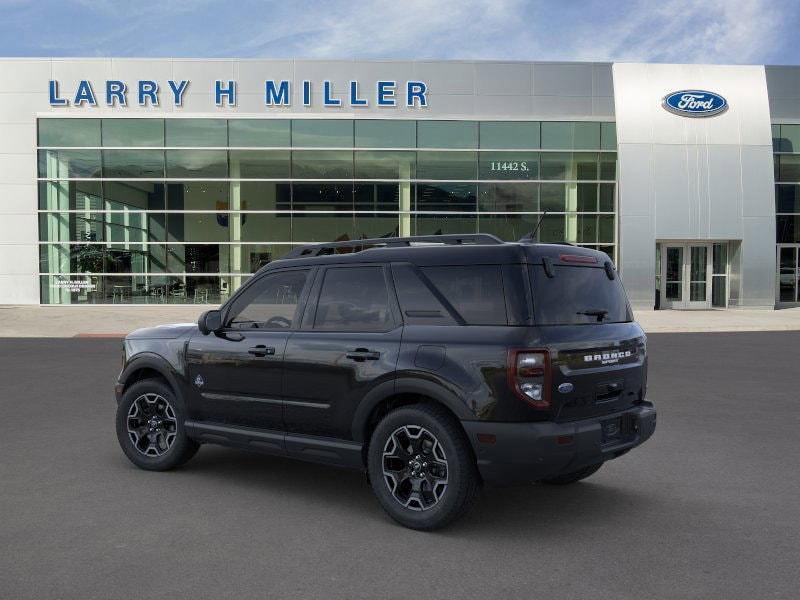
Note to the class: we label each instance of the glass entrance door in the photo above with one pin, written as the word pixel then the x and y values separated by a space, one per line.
pixel 788 274
pixel 686 275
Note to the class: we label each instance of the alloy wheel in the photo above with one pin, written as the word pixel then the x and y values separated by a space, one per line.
pixel 415 467
pixel 152 425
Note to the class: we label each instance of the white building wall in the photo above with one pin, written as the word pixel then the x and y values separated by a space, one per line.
pixel 695 178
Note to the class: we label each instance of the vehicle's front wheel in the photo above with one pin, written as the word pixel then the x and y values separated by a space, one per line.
pixel 421 467
pixel 150 427
pixel 573 477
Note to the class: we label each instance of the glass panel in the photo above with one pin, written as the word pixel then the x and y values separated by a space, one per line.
pixel 260 164
pixel 262 195
pixel 379 196
pixel 606 197
pixel 198 227
pixel 447 134
pixel 553 228
pixel 586 166
pixel 787 229
pixel 509 134
pixel 322 196
pixel 133 132
pixel 509 165
pixel 508 227
pixel 608 136
pixel 790 138
pixel 62 164
pixel 197 163
pixel 553 197
pixel 787 198
pixel 787 274
pixel 316 227
pixel 353 299
pixel 133 163
pixel 322 164
pixel 70 195
pixel 198 258
pixel 674 274
pixel 196 132
pixel 444 224
pixel 789 170
pixel 264 227
pixel 587 136
pixel 472 291
pixel 720 259
pixel 69 132
pixel 557 135
pixel 322 133
pixel 605 229
pixel 508 197
pixel 385 165
pixel 608 166
pixel 447 165
pixel 264 133
pixel 587 197
pixel 255 256
pixel 587 229
pixel 698 256
pixel 271 303
pixel 385 133
pixel 718 291
pixel 133 195
pixel 556 165
pixel 101 226
pixel 446 197
pixel 776 141
pixel 198 195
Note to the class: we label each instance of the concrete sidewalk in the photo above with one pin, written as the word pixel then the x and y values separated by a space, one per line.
pixel 113 321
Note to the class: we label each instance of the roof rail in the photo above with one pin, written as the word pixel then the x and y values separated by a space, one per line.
pixel 322 249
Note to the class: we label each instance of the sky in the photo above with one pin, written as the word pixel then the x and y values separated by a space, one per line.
pixel 682 31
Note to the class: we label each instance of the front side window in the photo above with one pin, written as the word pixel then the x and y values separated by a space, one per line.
pixel 353 299
pixel 271 303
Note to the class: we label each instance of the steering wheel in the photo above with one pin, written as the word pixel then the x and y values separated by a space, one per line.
pixel 278 322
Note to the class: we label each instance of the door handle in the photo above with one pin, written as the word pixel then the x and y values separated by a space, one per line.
pixel 362 354
pixel 262 350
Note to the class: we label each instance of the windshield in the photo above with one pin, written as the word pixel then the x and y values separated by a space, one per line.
pixel 578 296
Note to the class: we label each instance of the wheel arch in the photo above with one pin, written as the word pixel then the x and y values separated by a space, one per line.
pixel 149 366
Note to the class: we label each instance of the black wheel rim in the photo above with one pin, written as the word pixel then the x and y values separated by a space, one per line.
pixel 415 467
pixel 152 426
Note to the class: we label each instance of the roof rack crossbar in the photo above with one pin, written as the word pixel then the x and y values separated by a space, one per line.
pixel 310 250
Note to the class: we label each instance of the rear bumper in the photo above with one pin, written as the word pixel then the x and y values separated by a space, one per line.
pixel 527 452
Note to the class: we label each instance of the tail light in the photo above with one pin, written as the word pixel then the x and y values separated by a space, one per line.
pixel 529 376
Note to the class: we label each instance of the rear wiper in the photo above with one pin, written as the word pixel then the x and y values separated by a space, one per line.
pixel 600 313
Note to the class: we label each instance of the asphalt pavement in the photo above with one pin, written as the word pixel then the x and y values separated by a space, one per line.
pixel 708 508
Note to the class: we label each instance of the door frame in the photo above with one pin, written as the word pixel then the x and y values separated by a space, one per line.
pixel 686 270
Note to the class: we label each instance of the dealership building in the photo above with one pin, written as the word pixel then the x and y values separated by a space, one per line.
pixel 132 181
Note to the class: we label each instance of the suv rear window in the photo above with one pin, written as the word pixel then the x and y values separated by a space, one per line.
pixel 578 296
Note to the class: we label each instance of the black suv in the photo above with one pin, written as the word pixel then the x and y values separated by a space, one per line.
pixel 434 363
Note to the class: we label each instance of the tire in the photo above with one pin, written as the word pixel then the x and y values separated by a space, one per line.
pixel 573 477
pixel 150 427
pixel 430 486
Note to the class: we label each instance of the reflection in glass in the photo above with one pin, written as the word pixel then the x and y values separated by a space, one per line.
pixel 69 132
pixel 133 132
pixel 197 132
pixel 447 134
pixel 133 163
pixel 322 164
pixel 259 133
pixel 385 133
pixel 508 197
pixel 446 197
pixel 63 164
pixel 197 163
pixel 322 133
pixel 501 135
pixel 385 165
pixel 447 165
pixel 260 164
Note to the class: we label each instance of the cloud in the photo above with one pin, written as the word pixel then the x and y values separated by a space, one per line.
pixel 707 31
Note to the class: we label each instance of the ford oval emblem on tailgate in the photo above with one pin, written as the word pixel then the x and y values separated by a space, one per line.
pixel 566 388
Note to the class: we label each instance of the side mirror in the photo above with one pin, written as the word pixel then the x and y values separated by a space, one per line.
pixel 209 322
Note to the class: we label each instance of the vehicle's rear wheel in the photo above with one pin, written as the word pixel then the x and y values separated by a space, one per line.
pixel 150 427
pixel 568 478
pixel 421 468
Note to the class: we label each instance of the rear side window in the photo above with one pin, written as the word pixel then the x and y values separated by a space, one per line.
pixel 577 296
pixel 474 291
pixel 353 299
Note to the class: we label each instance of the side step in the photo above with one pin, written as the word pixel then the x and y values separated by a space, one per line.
pixel 317 449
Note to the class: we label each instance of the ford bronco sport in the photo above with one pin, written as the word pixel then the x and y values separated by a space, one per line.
pixel 434 363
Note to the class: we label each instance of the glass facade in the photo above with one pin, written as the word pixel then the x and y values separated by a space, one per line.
pixel 786 147
pixel 184 210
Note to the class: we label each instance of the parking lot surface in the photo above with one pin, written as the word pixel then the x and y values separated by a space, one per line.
pixel 708 508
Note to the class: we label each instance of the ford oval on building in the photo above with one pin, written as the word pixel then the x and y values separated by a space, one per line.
pixel 695 103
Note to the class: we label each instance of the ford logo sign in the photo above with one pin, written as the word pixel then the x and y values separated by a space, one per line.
pixel 695 103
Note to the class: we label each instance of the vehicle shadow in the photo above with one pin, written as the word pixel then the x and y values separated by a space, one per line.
pixel 510 512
